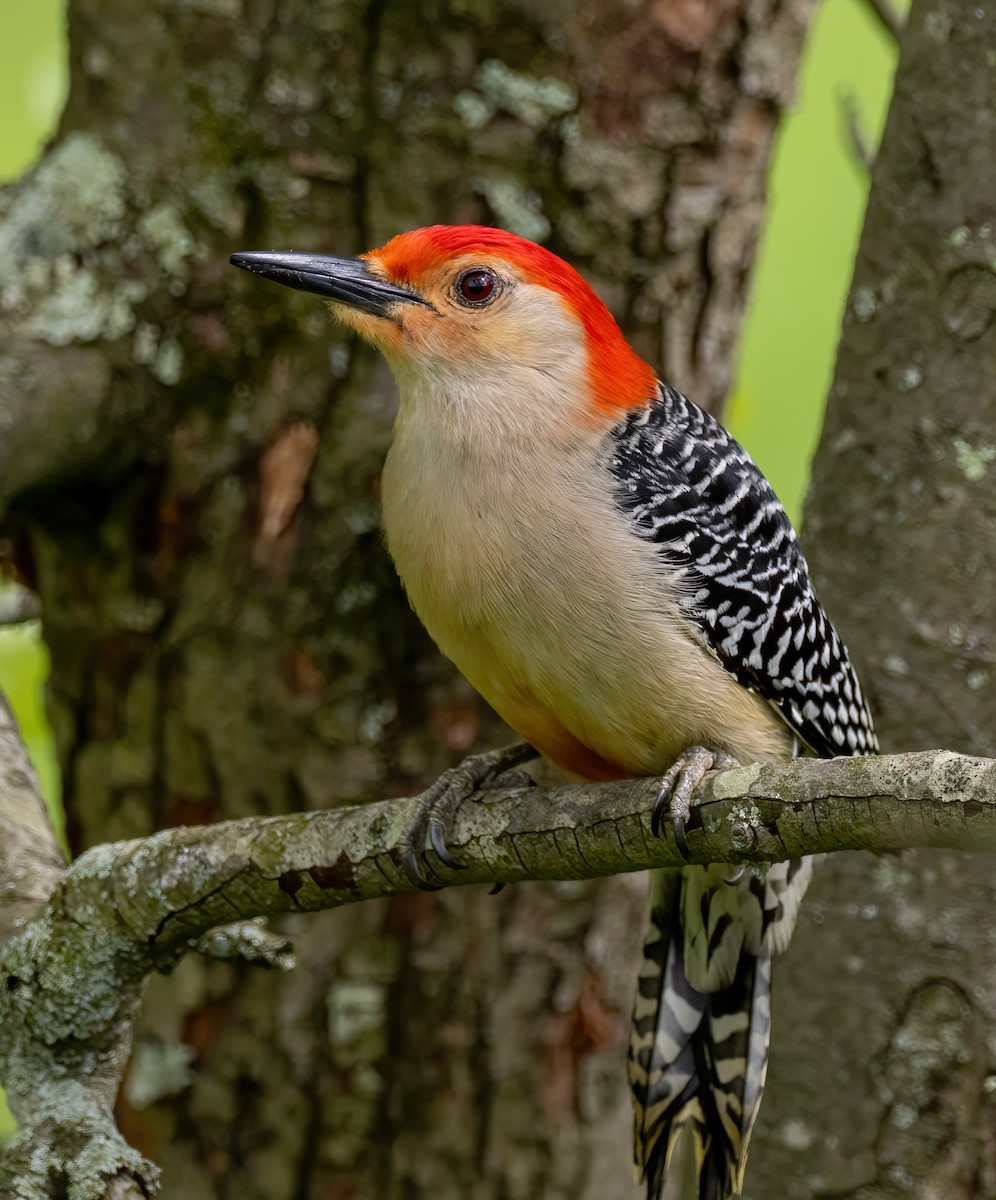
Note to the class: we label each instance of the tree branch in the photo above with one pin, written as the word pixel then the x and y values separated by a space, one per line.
pixel 31 863
pixel 124 910
pixel 304 862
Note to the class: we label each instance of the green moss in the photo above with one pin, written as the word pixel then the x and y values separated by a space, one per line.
pixel 864 304
pixel 909 379
pixel 516 208
pixel 171 241
pixel 744 815
pixel 534 101
pixel 474 110
pixel 76 197
pixel 69 270
pixel 973 461
pixel 732 783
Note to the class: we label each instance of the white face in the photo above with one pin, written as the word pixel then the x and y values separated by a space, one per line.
pixel 472 315
pixel 488 339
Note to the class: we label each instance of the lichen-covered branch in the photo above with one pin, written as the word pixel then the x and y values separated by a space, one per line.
pixel 73 977
pixel 263 867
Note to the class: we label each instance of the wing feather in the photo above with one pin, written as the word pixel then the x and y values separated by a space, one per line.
pixel 725 539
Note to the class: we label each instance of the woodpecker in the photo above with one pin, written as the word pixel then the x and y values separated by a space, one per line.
pixel 614 575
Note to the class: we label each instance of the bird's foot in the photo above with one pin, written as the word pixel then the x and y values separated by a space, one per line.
pixel 438 805
pixel 680 781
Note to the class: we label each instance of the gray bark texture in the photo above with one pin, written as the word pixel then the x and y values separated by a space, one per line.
pixel 188 479
pixel 74 968
pixel 886 1090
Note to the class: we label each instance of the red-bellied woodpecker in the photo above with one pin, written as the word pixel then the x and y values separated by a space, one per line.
pixel 614 575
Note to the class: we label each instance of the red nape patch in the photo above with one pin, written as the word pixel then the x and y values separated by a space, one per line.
pixel 620 379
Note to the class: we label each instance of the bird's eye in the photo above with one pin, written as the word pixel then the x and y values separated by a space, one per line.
pixel 476 286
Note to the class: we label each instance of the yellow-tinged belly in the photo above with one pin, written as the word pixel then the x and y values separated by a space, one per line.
pixel 622 704
pixel 563 618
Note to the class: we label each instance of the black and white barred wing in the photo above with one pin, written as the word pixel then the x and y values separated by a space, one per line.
pixel 726 540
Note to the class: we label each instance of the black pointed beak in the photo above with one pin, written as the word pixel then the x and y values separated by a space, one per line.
pixel 345 279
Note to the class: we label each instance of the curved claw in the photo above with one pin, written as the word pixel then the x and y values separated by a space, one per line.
pixel 413 871
pixel 678 824
pixel 737 875
pixel 659 806
pixel 682 778
pixel 440 802
pixel 437 836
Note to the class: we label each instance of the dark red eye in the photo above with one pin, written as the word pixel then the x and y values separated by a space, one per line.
pixel 476 286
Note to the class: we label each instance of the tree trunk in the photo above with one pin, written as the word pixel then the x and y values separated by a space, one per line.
pixel 193 493
pixel 880 1081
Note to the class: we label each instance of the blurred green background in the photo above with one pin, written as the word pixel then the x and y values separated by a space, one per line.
pixel 818 190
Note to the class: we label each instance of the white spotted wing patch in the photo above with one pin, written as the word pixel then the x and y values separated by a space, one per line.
pixel 725 539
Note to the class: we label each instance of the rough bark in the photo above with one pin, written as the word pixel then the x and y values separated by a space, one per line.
pixel 30 862
pixel 882 1089
pixel 124 910
pixel 193 495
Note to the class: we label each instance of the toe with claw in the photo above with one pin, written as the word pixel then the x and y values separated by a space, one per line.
pixel 439 803
pixel 679 782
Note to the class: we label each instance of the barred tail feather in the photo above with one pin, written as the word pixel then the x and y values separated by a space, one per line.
pixel 702 1019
